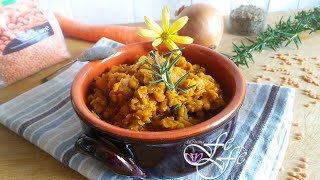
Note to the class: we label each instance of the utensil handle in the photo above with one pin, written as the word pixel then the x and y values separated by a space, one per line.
pixel 48 77
pixel 109 155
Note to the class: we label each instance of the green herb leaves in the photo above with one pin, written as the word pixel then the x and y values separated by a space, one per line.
pixel 284 33
pixel 160 72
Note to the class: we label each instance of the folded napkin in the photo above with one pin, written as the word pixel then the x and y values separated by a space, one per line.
pixel 45 117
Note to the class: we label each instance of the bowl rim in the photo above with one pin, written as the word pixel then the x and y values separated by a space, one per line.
pixel 160 136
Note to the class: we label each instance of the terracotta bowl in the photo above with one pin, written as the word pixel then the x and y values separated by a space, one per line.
pixel 156 154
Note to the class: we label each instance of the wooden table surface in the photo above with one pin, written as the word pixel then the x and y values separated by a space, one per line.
pixel 19 159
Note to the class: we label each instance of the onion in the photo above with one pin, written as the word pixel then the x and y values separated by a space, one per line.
pixel 205 24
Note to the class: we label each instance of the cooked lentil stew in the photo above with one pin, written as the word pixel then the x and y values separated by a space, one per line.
pixel 123 96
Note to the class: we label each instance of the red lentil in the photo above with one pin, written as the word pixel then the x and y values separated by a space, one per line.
pixel 305 159
pixel 298 138
pixel 293 174
pixel 305 175
pixel 296 124
pixel 298 169
pixel 16 65
pixel 304 165
pixel 300 134
pixel 310 79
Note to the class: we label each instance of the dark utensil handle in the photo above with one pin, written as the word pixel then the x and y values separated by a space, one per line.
pixel 109 155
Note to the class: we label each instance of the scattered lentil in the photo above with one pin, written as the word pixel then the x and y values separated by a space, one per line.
pixel 258 80
pixel 293 174
pixel 310 79
pixel 298 138
pixel 300 134
pixel 305 159
pixel 304 165
pixel 296 124
pixel 298 169
pixel 305 175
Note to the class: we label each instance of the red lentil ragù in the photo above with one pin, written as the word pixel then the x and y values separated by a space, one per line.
pixel 123 96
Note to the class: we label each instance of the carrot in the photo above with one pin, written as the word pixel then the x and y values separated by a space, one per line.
pixel 119 33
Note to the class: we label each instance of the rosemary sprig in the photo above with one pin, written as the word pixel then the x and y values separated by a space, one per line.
pixel 284 33
pixel 161 71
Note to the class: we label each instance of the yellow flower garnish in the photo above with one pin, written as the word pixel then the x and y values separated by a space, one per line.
pixel 166 34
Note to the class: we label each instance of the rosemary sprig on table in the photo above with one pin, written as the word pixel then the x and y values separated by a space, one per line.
pixel 284 33
pixel 161 71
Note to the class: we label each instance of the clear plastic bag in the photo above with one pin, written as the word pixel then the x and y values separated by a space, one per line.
pixel 30 40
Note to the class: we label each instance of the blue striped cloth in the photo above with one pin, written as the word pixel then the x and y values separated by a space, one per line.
pixel 44 116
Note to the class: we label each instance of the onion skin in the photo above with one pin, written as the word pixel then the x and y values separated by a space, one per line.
pixel 205 24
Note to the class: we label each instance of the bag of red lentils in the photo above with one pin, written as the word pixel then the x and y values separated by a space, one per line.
pixel 30 40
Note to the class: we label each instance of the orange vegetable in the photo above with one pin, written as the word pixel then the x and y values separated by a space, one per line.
pixel 122 34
